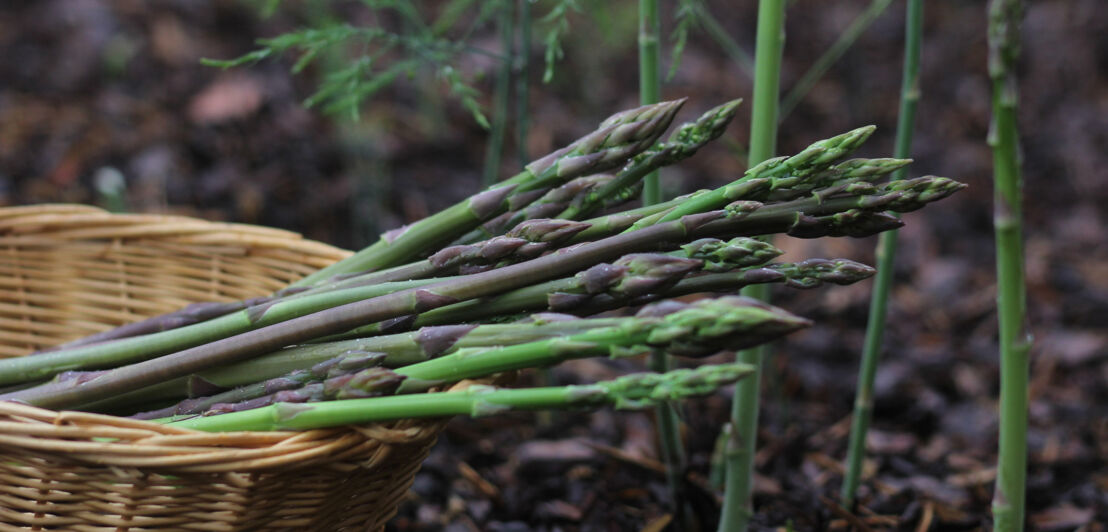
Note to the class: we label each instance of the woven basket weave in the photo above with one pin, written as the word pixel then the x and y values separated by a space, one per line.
pixel 67 271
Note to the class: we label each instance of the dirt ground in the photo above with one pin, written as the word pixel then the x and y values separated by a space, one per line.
pixel 92 90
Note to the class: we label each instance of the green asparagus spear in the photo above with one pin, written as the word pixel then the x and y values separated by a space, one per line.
pixel 632 391
pixel 619 137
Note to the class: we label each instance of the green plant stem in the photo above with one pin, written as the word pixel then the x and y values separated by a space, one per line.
pixel 501 97
pixel 1015 340
pixel 699 329
pixel 650 79
pixel 632 391
pixel 523 77
pixel 831 55
pixel 737 504
pixel 886 258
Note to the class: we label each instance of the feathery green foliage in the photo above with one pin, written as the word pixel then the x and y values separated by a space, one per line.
pixel 382 56
pixel 634 391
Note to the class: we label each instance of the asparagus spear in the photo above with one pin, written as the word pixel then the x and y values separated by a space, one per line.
pixel 546 206
pixel 682 144
pixel 806 274
pixel 189 315
pixel 525 241
pixel 346 364
pixel 812 159
pixel 629 392
pixel 619 137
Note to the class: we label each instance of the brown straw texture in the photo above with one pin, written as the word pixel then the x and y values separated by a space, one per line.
pixel 67 271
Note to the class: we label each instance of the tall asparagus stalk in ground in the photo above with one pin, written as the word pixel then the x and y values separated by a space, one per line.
pixel 619 137
pixel 1015 340
pixel 523 76
pixel 669 424
pixel 886 255
pixel 737 506
pixel 650 80
pixel 495 149
pixel 632 391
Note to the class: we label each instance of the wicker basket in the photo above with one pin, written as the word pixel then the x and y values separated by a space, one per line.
pixel 68 271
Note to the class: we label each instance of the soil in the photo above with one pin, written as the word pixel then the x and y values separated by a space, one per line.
pixel 92 90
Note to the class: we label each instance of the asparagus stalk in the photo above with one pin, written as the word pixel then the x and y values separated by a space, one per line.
pixel 634 391
pixel 548 205
pixel 1015 340
pixel 619 137
pixel 737 504
pixel 371 382
pixel 682 144
pixel 844 173
pixel 698 329
pixel 495 147
pixel 189 315
pixel 346 364
pixel 650 80
pixel 886 255
pixel 807 274
pixel 526 240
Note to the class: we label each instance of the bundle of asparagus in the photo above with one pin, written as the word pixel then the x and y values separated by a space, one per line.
pixel 468 292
